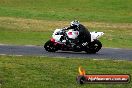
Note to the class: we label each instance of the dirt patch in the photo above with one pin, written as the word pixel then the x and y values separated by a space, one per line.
pixel 21 24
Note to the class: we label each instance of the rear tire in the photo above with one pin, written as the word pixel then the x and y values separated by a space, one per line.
pixel 50 47
pixel 93 47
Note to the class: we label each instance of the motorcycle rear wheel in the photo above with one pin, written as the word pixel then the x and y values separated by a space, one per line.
pixel 93 47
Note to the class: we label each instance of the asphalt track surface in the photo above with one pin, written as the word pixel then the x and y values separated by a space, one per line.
pixel 104 53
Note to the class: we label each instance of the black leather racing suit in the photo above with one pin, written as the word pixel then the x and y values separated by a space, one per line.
pixel 84 34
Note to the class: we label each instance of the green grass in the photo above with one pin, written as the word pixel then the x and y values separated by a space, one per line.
pixel 116 37
pixel 46 72
pixel 25 22
pixel 21 31
pixel 24 38
pixel 84 10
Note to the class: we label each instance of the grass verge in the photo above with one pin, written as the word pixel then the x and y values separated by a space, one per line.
pixel 47 72
pixel 36 32
pixel 86 10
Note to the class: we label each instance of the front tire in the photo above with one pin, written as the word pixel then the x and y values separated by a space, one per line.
pixel 50 47
pixel 93 47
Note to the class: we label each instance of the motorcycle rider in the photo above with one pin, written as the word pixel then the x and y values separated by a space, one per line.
pixel 84 34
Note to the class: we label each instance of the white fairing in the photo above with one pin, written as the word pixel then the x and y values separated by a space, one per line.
pixel 57 37
pixel 95 35
pixel 72 34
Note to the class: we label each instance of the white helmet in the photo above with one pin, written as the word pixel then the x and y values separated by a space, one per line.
pixel 75 23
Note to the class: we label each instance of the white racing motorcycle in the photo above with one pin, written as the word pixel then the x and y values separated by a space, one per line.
pixel 68 41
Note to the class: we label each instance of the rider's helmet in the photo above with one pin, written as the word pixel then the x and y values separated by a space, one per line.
pixel 75 23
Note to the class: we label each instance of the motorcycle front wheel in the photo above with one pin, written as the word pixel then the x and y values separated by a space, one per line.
pixel 50 47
